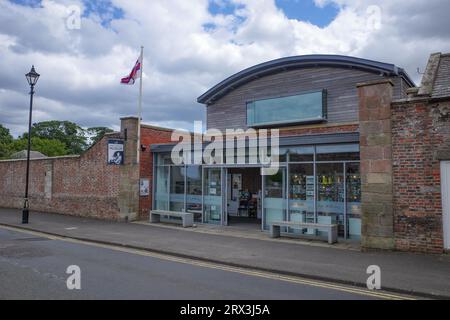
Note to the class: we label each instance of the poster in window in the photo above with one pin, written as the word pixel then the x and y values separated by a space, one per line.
pixel 115 152
pixel 144 187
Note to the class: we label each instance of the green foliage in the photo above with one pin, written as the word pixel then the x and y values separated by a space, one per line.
pixel 4 150
pixel 96 133
pixel 5 140
pixel 69 133
pixel 50 148
pixel 5 136
pixel 52 138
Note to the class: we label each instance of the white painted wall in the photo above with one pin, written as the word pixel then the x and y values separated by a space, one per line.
pixel 445 187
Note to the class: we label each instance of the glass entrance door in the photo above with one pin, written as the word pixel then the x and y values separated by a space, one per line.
pixel 212 195
pixel 274 202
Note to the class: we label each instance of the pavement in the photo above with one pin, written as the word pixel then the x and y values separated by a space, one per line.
pixel 407 273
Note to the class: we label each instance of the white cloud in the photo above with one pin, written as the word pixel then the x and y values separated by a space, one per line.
pixel 81 69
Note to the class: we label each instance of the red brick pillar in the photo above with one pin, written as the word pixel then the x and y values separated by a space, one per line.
pixel 376 164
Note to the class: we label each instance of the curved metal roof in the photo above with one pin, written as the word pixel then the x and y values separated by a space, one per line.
pixel 296 62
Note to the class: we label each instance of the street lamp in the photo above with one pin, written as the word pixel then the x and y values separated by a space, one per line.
pixel 32 78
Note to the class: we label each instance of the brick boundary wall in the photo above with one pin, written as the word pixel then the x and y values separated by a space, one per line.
pixel 75 185
pixel 420 139
pixel 84 185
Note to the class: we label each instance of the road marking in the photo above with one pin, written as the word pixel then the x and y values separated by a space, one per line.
pixel 217 266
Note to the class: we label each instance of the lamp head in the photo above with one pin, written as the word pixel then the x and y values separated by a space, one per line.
pixel 32 77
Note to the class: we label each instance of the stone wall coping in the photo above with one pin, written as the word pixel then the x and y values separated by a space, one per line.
pixel 374 83
pixel 429 76
pixel 115 133
pixel 150 126
pixel 418 99
pixel 42 159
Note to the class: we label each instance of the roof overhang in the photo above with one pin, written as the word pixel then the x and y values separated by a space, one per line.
pixel 288 141
pixel 297 62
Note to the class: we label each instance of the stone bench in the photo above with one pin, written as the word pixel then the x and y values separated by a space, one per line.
pixel 331 229
pixel 187 218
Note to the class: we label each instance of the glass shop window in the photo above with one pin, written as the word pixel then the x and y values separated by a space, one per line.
pixel 301 154
pixel 303 108
pixel 339 152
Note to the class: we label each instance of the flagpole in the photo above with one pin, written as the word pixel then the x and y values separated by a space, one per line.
pixel 140 105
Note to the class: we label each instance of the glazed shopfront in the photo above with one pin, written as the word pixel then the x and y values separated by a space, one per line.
pixel 317 183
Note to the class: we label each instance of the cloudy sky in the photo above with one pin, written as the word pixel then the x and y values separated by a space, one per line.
pixel 189 47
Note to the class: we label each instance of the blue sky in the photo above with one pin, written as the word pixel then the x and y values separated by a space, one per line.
pixel 103 8
pixel 31 3
pixel 304 10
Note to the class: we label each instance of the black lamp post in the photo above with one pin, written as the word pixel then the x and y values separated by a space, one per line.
pixel 32 78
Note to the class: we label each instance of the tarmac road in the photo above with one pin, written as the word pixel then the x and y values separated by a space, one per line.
pixel 33 266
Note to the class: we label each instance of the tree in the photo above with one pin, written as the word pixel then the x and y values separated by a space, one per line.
pixel 69 133
pixel 96 133
pixel 5 140
pixel 5 136
pixel 50 148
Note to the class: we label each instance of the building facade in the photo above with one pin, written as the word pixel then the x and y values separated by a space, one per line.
pixel 360 146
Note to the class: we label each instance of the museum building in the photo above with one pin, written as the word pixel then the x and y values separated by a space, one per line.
pixel 338 146
pixel 313 101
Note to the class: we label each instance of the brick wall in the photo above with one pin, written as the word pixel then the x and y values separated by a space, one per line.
pixel 320 129
pixel 79 185
pixel 82 185
pixel 149 135
pixel 421 139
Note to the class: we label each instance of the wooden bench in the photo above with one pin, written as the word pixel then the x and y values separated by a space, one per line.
pixel 331 229
pixel 187 218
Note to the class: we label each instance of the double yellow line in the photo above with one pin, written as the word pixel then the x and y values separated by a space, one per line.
pixel 217 266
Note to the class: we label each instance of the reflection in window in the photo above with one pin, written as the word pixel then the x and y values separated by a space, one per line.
pixel 177 188
pixel 330 195
pixel 301 154
pixel 342 152
pixel 194 192
pixel 301 193
pixel 274 197
pixel 161 188
pixel 163 159
pixel 309 107
pixel 353 200
pixel 213 195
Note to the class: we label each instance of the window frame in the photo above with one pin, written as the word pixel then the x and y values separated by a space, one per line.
pixel 268 124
